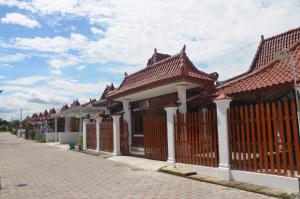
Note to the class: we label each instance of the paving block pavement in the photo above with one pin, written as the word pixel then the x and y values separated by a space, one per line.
pixel 30 170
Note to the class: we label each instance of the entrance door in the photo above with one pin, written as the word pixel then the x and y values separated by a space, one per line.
pixel 137 128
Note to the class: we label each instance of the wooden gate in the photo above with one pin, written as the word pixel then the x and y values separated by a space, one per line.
pixel 124 138
pixel 264 138
pixel 106 136
pixel 196 138
pixel 155 137
pixel 91 139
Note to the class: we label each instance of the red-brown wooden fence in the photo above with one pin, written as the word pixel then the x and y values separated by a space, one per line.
pixel 264 138
pixel 124 138
pixel 196 138
pixel 91 140
pixel 155 137
pixel 106 136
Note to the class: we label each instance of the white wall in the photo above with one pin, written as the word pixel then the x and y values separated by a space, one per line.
pixel 51 137
pixel 69 137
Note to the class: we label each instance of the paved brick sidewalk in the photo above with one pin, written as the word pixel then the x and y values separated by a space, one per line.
pixel 49 172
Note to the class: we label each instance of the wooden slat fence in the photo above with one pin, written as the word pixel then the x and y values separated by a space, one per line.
pixel 264 138
pixel 155 137
pixel 91 140
pixel 196 138
pixel 124 138
pixel 106 136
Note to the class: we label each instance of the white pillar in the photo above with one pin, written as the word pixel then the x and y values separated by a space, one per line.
pixel 223 140
pixel 69 124
pixel 98 123
pixel 127 117
pixel 55 124
pixel 171 111
pixel 66 124
pixel 80 124
pixel 181 90
pixel 85 121
pixel 116 134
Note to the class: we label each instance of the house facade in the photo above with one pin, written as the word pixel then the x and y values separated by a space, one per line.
pixel 165 79
pixel 244 129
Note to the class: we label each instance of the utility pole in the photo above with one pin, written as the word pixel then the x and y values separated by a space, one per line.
pixel 285 55
pixel 21 120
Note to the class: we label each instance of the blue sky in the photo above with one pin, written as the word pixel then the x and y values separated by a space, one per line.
pixel 52 52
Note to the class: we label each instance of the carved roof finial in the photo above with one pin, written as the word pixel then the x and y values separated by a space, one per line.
pixel 155 50
pixel 262 37
pixel 125 74
pixel 183 48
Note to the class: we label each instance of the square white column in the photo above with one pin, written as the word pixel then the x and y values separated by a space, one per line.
pixel 223 140
pixel 84 126
pixel 127 118
pixel 98 123
pixel 80 124
pixel 181 91
pixel 171 111
pixel 55 124
pixel 116 134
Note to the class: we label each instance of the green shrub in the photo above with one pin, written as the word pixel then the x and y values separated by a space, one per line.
pixel 4 128
pixel 40 139
pixel 80 142
pixel 31 133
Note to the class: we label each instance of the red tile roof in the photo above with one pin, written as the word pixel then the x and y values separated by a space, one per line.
pixel 157 57
pixel 75 103
pixel 268 48
pixel 177 68
pixel 274 73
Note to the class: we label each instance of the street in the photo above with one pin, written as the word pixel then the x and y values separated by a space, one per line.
pixel 34 170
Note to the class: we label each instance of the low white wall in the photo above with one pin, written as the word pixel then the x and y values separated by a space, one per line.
pixel 69 137
pixel 51 137
pixel 21 133
pixel 273 181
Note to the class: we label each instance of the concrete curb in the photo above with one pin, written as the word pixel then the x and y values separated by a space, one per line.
pixel 233 184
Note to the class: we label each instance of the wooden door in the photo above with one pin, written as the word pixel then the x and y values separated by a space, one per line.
pixel 137 128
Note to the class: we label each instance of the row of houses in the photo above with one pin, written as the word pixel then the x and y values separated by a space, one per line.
pixel 244 129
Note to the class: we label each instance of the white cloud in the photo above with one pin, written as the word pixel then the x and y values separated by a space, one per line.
pixel 6 65
pixel 58 64
pixel 37 93
pixel 2 77
pixel 27 81
pixel 81 67
pixel 13 57
pixel 134 31
pixel 134 28
pixel 96 31
pixel 17 18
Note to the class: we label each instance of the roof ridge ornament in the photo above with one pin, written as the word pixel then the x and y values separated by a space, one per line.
pixel 183 49
pixel 183 61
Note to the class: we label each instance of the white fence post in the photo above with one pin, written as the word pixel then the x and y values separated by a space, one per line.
pixel 171 111
pixel 223 104
pixel 116 134
pixel 85 121
pixel 98 123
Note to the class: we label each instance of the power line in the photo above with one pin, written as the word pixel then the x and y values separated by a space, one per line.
pixel 230 52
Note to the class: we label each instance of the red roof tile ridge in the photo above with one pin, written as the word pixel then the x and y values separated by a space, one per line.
pixel 252 65
pixel 258 70
pixel 281 34
pixel 157 64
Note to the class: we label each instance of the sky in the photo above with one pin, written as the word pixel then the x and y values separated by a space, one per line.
pixel 53 52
